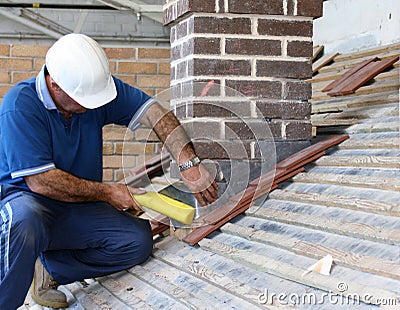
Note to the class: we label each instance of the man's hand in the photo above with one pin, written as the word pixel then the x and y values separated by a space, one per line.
pixel 175 139
pixel 201 183
pixel 121 197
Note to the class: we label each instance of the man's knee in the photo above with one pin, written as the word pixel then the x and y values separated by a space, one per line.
pixel 143 241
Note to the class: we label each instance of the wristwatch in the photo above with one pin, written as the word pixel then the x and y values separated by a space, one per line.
pixel 195 161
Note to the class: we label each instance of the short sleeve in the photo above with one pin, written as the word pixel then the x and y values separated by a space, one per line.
pixel 26 143
pixel 129 103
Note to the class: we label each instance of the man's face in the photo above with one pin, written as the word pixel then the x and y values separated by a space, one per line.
pixel 68 104
pixel 64 102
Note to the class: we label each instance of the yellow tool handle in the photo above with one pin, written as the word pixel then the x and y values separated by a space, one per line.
pixel 163 204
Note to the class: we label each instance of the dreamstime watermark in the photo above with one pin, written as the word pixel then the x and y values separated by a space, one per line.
pixel 339 297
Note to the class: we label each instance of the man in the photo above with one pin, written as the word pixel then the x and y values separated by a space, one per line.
pixel 53 203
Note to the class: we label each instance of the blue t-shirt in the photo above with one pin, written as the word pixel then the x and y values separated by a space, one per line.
pixel 35 137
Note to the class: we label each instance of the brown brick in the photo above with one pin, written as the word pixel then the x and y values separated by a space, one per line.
pixel 108 148
pixel 298 131
pixel 108 175
pixel 222 109
pixel 206 6
pixel 275 127
pixel 153 81
pixel 38 63
pixel 22 76
pixel 300 48
pixel 182 70
pixel 203 129
pixel 172 34
pixel 257 89
pixel 120 174
pixel 181 29
pixel 113 66
pixel 296 110
pixel 130 79
pixel 206 46
pixel 29 50
pixel 182 50
pixel 134 148
pixel 297 90
pixel 221 67
pixel 196 88
pixel 223 149
pixel 285 27
pixel 154 53
pixel 253 47
pixel 290 7
pixel 112 161
pixel 284 110
pixel 172 74
pixel 284 69
pixel 238 130
pixel 117 133
pixel 5 49
pixel 221 4
pixel 169 15
pixel 270 7
pixel 163 68
pixel 145 134
pixel 141 159
pixel 118 161
pixel 5 77
pixel 312 8
pixel 182 7
pixel 16 64
pixel 247 130
pixel 137 67
pixel 268 109
pixel 120 53
pixel 205 87
pixel 202 24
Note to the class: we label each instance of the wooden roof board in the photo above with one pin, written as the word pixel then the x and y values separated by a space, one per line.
pixel 249 257
pixel 324 60
pixel 270 232
pixel 376 197
pixel 311 249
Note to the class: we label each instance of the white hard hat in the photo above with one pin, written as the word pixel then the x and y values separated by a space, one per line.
pixel 80 67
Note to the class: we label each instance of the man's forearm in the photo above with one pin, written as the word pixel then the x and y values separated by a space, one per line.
pixel 171 133
pixel 179 145
pixel 60 185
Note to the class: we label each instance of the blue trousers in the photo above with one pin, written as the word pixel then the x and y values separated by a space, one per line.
pixel 74 241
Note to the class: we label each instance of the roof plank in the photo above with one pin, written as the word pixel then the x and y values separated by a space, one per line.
pixel 288 271
pixel 358 230
pixel 347 202
pixel 345 258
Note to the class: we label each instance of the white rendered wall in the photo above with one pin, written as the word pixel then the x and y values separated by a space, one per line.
pixel 352 25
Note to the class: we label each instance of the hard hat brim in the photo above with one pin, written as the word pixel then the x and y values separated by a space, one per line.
pixel 99 99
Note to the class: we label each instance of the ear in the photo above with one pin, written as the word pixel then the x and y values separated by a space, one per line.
pixel 54 86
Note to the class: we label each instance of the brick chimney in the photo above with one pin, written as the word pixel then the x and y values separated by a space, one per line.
pixel 260 48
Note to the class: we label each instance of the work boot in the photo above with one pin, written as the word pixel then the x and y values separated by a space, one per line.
pixel 44 289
